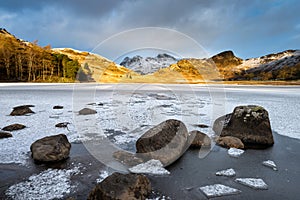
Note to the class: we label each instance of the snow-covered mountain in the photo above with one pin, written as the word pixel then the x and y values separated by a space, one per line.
pixel 148 65
pixel 272 62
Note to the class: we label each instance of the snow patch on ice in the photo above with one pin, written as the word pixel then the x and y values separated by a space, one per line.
pixel 49 184
pixel 150 167
pixel 234 152
pixel 270 163
pixel 218 190
pixel 102 175
pixel 227 172
pixel 255 183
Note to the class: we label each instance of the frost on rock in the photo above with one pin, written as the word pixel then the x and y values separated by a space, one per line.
pixel 218 190
pixel 227 172
pixel 270 163
pixel 49 184
pixel 255 183
pixel 233 152
pixel 150 167
pixel 103 175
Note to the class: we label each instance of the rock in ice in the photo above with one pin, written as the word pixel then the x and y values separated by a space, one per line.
pixel 150 167
pixel 255 183
pixel 227 172
pixel 270 163
pixel 234 152
pixel 218 190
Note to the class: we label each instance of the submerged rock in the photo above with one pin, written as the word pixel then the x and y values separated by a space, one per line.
pixel 14 127
pixel 4 134
pixel 87 111
pixel 122 186
pixel 199 139
pixel 218 190
pixel 230 142
pixel 149 167
pixel 250 124
pixel 165 142
pixel 127 158
pixel 21 110
pixel 51 149
pixel 255 183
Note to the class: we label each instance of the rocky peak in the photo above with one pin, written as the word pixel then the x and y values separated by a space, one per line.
pixel 226 58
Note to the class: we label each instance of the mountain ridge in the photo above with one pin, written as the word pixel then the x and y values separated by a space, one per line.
pixel 26 61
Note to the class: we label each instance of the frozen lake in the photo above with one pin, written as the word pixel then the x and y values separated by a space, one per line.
pixel 125 111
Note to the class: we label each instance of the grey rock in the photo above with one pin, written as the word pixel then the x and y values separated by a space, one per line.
pixel 87 111
pixel 122 186
pixel 165 142
pixel 51 149
pixel 14 127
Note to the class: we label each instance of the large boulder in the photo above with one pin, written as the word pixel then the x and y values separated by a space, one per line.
pixel 230 142
pixel 122 186
pixel 14 127
pixel 4 134
pixel 165 142
pixel 51 149
pixel 199 139
pixel 87 111
pixel 21 110
pixel 250 124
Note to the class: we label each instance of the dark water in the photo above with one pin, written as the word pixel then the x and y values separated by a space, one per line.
pixel 189 172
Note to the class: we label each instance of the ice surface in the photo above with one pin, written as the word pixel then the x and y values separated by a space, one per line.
pixel 270 163
pixel 234 152
pixel 103 175
pixel 255 183
pixel 130 110
pixel 150 167
pixel 49 184
pixel 227 172
pixel 218 190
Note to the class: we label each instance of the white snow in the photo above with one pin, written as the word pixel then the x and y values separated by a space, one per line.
pixel 103 175
pixel 218 190
pixel 234 152
pixel 270 163
pixel 49 184
pixel 150 167
pixel 227 172
pixel 255 183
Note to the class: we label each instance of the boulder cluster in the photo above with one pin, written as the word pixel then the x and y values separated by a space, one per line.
pixel 246 127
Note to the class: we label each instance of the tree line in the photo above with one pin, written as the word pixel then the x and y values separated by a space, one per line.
pixel 28 62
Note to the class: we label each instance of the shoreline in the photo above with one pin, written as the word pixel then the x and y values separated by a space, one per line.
pixel 236 83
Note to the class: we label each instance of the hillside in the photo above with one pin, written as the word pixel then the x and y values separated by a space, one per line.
pixel 25 61
pixel 97 68
pixel 28 62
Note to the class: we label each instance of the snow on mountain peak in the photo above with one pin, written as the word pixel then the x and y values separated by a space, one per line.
pixel 148 65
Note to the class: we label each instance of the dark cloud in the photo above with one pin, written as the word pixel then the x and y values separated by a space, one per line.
pixel 251 28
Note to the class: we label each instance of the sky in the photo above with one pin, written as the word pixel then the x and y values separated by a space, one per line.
pixel 248 28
